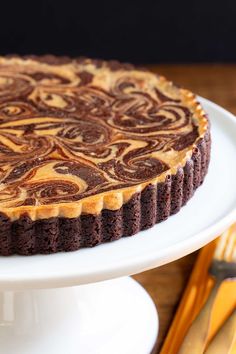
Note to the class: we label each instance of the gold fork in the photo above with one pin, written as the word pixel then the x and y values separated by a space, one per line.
pixel 223 267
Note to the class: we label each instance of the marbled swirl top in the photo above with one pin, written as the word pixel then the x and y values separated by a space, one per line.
pixel 72 130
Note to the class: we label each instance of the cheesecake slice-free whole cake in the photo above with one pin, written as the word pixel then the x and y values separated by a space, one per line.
pixel 91 151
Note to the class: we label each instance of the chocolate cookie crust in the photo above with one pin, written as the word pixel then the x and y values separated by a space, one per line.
pixel 109 150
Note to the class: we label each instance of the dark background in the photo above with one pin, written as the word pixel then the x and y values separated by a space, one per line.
pixel 137 31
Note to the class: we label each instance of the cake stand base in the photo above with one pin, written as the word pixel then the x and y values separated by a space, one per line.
pixel 115 316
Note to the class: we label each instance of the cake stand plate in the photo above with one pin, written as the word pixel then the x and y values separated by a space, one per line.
pixel 115 316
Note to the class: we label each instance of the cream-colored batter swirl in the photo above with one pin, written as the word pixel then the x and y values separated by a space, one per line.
pixel 72 131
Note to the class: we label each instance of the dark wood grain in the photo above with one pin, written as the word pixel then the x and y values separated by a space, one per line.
pixel 166 284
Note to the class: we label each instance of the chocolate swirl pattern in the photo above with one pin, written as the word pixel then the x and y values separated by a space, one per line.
pixel 77 130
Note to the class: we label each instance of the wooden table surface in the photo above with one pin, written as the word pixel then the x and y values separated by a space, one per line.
pixel 165 284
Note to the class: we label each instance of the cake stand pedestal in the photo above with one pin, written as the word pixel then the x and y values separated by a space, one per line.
pixel 81 302
pixel 115 316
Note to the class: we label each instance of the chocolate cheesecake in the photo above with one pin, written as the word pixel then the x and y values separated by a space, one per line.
pixel 91 151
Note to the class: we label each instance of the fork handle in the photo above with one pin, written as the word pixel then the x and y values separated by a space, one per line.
pixel 224 338
pixel 196 337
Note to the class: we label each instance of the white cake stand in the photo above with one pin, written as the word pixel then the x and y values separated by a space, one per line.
pixel 115 316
